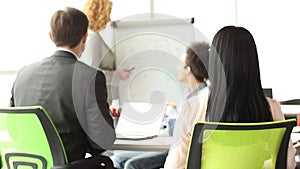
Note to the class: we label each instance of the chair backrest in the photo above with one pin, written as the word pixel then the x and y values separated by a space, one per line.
pixel 0 162
pixel 28 139
pixel 268 92
pixel 240 145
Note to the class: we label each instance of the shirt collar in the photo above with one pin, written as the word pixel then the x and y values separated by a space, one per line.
pixel 67 50
pixel 195 91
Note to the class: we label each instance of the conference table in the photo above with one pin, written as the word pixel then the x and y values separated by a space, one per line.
pixel 163 142
pixel 159 143
pixel 290 109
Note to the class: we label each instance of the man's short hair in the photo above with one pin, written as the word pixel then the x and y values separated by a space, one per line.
pixel 197 58
pixel 68 26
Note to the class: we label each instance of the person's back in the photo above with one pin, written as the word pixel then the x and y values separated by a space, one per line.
pixel 236 92
pixel 97 53
pixel 73 94
pixel 48 83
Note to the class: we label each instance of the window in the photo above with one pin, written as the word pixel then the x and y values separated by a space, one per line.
pixel 25 27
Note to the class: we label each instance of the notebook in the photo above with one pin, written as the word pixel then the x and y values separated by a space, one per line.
pixel 139 120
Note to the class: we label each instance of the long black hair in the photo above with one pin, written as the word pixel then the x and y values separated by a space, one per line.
pixel 236 91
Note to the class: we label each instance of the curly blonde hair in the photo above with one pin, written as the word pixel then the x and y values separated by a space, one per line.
pixel 98 12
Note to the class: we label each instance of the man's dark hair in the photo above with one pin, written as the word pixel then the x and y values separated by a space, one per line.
pixel 68 26
pixel 197 58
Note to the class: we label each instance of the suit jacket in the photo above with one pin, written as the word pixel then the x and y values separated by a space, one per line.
pixel 74 95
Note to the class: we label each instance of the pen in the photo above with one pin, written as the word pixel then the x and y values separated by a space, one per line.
pixel 131 69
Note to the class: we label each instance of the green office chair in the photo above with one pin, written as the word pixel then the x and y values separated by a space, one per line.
pixel 240 145
pixel 29 140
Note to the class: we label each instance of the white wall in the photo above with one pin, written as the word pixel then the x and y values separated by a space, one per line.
pixel 275 27
pixel 24 36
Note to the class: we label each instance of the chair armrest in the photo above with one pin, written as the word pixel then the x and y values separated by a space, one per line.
pixel 99 162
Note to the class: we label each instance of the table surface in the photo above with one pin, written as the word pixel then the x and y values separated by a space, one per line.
pixel 160 143
pixel 290 109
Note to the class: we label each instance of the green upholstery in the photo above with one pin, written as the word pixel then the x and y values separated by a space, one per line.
pixel 29 140
pixel 240 145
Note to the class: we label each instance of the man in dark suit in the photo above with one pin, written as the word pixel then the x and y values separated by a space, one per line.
pixel 73 93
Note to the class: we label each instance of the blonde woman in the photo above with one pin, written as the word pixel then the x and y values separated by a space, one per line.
pixel 96 53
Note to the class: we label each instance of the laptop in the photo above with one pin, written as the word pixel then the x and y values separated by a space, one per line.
pixel 140 120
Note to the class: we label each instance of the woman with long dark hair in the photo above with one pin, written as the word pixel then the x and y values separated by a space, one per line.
pixel 236 91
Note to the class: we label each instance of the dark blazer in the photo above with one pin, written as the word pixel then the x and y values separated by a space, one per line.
pixel 74 95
